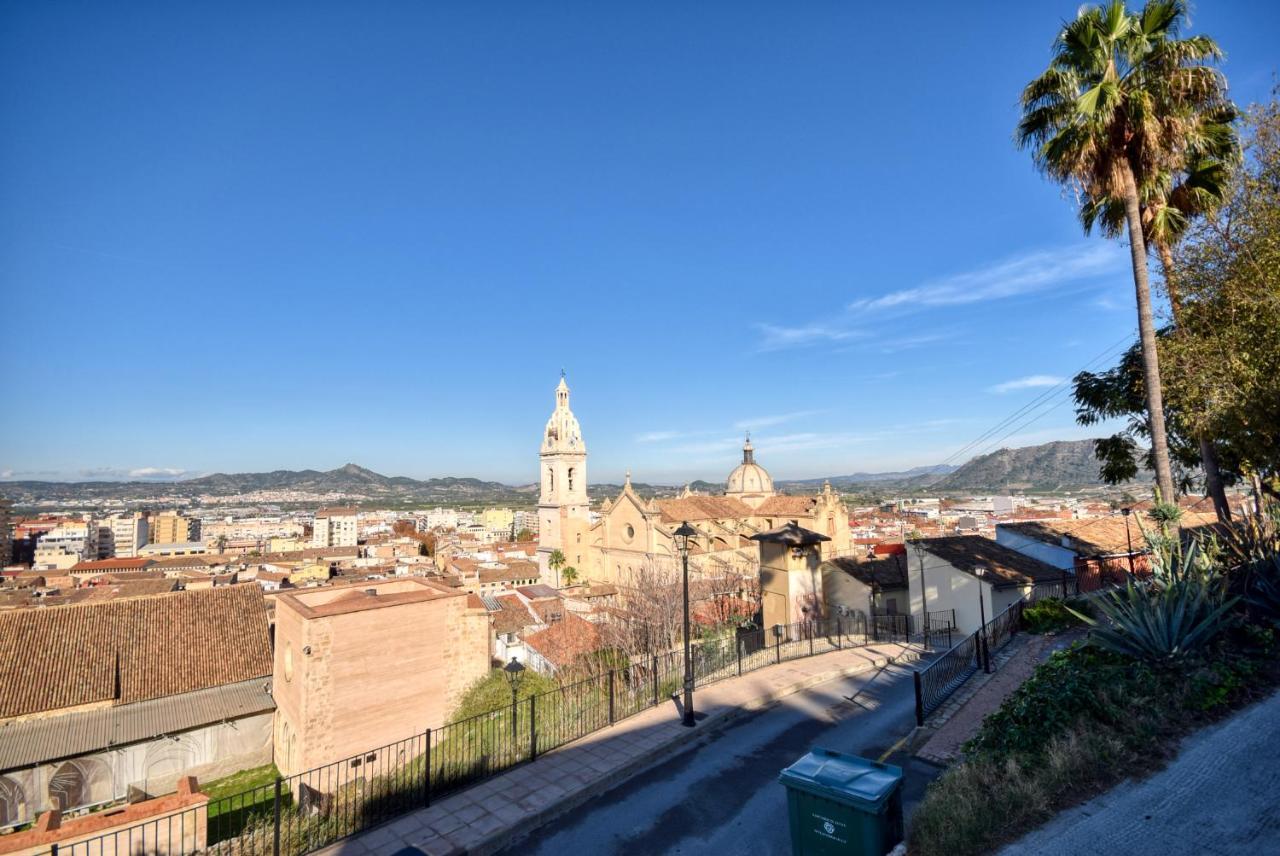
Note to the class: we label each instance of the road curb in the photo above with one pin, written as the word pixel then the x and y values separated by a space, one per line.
pixel 707 729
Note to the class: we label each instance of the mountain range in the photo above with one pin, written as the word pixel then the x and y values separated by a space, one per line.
pixel 1051 466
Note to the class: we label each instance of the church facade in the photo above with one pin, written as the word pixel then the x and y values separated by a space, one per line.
pixel 629 531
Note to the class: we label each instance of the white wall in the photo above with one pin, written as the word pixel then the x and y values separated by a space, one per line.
pixel 946 588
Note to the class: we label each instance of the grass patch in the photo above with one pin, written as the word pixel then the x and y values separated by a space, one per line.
pixel 236 801
pixel 237 783
pixel 1086 720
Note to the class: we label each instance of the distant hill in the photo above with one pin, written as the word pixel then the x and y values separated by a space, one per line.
pixel 1052 466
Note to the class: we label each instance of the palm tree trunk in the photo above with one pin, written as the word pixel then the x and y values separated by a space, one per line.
pixel 1208 456
pixel 1147 336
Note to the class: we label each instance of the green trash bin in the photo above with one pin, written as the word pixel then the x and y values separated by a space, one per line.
pixel 843 804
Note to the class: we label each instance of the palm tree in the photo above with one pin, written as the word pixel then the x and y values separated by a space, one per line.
pixel 1105 118
pixel 1210 150
pixel 556 561
pixel 570 575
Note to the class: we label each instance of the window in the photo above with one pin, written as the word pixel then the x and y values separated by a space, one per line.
pixel 570 478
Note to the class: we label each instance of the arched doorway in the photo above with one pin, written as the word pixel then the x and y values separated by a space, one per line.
pixel 80 782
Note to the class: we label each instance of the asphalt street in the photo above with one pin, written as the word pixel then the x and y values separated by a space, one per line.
pixel 723 796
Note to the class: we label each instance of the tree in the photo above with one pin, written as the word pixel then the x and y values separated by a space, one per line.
pixel 524 536
pixel 556 561
pixel 1118 393
pixel 1103 120
pixel 1192 187
pixel 570 575
pixel 1226 360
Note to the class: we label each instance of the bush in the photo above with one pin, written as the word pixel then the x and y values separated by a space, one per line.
pixel 1049 616
pixel 1163 623
pixel 493 692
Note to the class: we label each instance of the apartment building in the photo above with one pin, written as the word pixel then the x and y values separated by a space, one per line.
pixel 173 527
pixel 336 527
pixel 6 539
pixel 121 536
pixel 68 543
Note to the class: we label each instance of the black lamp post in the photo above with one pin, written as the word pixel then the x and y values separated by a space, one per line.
pixel 982 618
pixel 515 674
pixel 1128 536
pixel 683 534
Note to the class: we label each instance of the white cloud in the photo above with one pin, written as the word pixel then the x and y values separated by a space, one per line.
pixel 657 436
pixel 776 338
pixel 776 419
pixel 156 473
pixel 1038 381
pixel 1024 274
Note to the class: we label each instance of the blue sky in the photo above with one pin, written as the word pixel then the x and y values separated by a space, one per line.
pixel 248 236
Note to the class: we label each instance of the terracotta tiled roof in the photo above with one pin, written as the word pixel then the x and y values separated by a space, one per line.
pixel 565 642
pixel 337 512
pixel 110 565
pixel 131 649
pixel 970 552
pixel 514 617
pixel 786 506
pixel 703 508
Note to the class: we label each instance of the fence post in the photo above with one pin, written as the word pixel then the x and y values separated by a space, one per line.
pixel 739 656
pixel 533 728
pixel 777 642
pixel 839 633
pixel 919 700
pixel 611 719
pixel 875 627
pixel 426 777
pixel 812 631
pixel 655 680
pixel 53 849
pixel 986 650
pixel 275 844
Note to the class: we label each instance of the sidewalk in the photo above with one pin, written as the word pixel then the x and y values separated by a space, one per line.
pixel 484 818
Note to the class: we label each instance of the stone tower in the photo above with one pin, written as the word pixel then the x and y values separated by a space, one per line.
pixel 563 508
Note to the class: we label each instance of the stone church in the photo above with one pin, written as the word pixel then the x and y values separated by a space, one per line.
pixel 628 531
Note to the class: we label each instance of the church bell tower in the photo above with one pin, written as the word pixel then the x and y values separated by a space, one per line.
pixel 563 508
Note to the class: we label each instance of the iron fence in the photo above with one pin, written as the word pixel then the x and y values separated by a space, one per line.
pixel 306 811
pixel 935 683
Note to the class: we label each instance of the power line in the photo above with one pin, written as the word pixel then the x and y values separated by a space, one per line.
pixel 1042 398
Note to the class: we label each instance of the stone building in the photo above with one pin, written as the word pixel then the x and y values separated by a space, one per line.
pixel 362 667
pixel 563 507
pixel 114 700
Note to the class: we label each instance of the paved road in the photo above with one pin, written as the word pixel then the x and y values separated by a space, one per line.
pixel 723 796
pixel 1218 796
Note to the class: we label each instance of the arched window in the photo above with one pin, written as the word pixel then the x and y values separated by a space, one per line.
pixel 570 478
pixel 551 479
pixel 13 802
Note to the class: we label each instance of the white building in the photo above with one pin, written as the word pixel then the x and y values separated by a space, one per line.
pixel 336 527
pixel 125 534
pixel 68 543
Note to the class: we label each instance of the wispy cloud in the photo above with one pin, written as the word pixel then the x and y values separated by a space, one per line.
pixel 657 436
pixel 775 338
pixel 1030 382
pixel 1024 274
pixel 776 419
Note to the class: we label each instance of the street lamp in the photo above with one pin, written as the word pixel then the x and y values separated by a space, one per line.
pixel 683 534
pixel 1128 536
pixel 515 674
pixel 985 653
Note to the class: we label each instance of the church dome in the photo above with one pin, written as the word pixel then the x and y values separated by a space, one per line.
pixel 749 477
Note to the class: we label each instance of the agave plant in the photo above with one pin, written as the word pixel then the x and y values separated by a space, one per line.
pixel 1160 624
pixel 1264 589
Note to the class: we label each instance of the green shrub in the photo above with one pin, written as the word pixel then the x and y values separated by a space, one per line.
pixel 1080 682
pixel 1049 616
pixel 493 692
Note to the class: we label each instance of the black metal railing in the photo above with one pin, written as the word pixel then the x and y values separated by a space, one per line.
pixel 935 683
pixel 306 811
